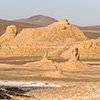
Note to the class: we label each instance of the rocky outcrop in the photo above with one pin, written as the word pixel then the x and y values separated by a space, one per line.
pixel 75 55
pixel 9 34
pixel 74 64
pixel 8 95
pixel 34 41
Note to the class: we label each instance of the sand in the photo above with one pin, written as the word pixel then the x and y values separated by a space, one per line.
pixel 28 76
pixel 84 91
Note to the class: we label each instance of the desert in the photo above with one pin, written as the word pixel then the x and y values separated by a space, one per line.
pixel 50 61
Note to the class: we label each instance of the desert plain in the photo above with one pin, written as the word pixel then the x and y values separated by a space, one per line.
pixel 54 62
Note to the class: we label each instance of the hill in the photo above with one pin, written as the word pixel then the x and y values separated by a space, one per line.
pixel 91 28
pixel 20 26
pixel 35 41
pixel 92 32
pixel 38 20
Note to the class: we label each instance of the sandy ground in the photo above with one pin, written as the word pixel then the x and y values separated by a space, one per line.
pixel 77 85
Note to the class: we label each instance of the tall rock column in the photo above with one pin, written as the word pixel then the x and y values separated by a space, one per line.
pixel 75 55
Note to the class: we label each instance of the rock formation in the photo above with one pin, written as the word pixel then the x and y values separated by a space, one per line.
pixel 75 55
pixel 74 64
pixel 59 38
pixel 43 61
pixel 9 34
pixel 8 95
pixel 45 57
pixel 34 41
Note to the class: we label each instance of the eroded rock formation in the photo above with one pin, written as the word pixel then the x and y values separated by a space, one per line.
pixel 9 34
pixel 43 61
pixel 74 64
pixel 75 55
pixel 34 41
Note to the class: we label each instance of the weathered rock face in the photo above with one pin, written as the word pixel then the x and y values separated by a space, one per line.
pixel 9 34
pixel 34 41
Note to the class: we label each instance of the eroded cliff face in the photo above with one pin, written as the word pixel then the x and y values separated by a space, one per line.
pixel 54 38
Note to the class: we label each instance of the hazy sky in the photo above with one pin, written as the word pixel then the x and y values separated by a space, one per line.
pixel 79 12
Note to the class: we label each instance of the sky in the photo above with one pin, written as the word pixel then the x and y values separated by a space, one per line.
pixel 78 12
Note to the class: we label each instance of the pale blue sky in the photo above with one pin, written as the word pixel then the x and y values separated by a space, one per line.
pixel 79 12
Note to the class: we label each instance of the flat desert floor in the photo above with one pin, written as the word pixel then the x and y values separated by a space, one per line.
pixel 76 85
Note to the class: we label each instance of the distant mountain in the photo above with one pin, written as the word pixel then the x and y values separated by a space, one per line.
pixel 97 28
pixel 38 20
pixel 91 32
pixel 20 26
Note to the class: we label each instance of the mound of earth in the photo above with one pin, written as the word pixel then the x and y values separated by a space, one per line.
pixel 54 74
pixel 34 41
pixel 74 66
pixel 10 33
